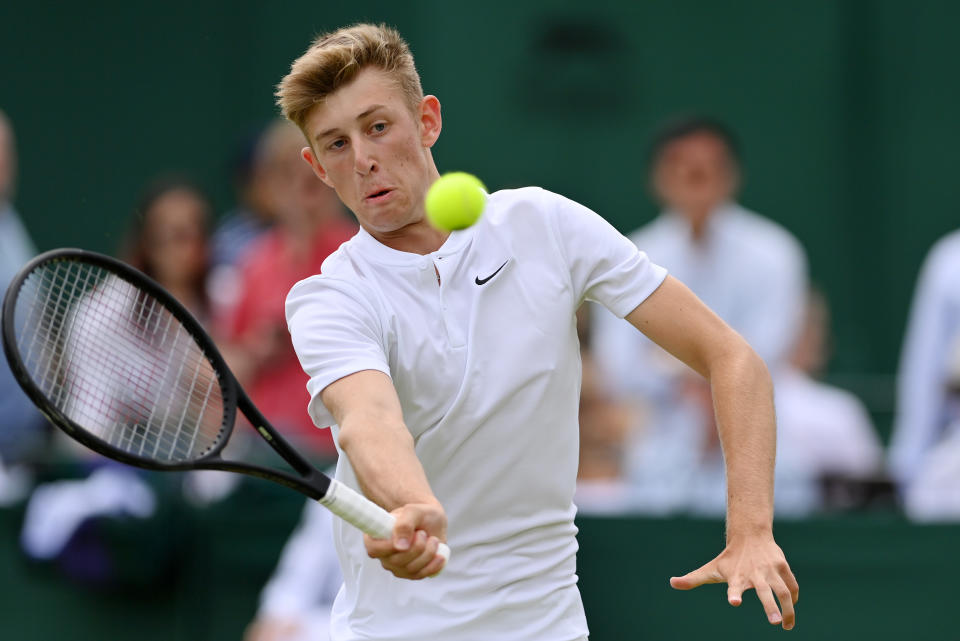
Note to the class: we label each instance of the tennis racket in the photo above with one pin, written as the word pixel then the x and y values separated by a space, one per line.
pixel 113 360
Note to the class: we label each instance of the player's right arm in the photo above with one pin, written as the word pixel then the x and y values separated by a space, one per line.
pixel 381 451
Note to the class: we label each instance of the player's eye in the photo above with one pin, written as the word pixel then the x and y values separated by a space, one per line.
pixel 339 143
pixel 378 127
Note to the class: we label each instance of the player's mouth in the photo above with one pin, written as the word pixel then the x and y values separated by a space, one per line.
pixel 378 196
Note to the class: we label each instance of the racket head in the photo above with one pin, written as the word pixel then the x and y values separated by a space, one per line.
pixel 113 360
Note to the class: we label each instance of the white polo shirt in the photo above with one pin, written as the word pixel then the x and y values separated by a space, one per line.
pixel 486 362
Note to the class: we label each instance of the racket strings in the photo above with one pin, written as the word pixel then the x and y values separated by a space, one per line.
pixel 116 362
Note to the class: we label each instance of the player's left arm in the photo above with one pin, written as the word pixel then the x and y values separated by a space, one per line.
pixel 674 318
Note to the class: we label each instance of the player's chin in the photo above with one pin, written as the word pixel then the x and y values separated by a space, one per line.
pixel 389 219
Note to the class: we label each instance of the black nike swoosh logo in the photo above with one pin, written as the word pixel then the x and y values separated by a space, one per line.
pixel 480 281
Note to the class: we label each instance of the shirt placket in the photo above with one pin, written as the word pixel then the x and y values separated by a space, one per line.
pixel 443 268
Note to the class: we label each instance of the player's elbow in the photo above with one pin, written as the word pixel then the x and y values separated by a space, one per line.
pixel 735 358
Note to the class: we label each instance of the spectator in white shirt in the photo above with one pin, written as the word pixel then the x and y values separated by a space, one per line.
pixel 748 269
pixel 295 604
pixel 823 432
pixel 925 406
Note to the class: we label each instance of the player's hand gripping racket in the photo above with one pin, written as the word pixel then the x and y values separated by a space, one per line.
pixel 113 360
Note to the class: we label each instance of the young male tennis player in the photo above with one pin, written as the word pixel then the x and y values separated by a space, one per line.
pixel 448 366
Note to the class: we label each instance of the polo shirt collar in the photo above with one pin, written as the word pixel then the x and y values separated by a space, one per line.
pixel 380 253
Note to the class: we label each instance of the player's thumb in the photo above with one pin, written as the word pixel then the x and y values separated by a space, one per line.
pixel 700 576
pixel 403 529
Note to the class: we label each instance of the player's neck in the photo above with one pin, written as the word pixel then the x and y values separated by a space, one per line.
pixel 416 238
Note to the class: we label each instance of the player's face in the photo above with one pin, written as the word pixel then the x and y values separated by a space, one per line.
pixel 694 175
pixel 370 147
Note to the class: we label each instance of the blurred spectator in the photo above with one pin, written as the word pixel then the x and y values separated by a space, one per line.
pixel 926 408
pixel 605 430
pixel 258 177
pixel 606 426
pixel 169 241
pixel 748 269
pixel 100 526
pixel 825 438
pixel 295 604
pixel 934 491
pixel 311 224
pixel 252 169
pixel 23 428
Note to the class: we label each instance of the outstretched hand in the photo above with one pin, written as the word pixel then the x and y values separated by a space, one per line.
pixel 751 562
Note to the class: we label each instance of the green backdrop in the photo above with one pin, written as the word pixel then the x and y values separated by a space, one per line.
pixel 846 111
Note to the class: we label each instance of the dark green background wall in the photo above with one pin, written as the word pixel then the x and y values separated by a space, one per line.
pixel 847 111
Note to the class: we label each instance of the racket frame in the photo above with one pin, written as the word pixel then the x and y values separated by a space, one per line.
pixel 309 480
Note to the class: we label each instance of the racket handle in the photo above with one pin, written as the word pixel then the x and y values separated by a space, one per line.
pixel 364 514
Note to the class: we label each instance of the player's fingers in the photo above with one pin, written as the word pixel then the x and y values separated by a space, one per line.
pixel 424 564
pixel 786 602
pixel 735 594
pixel 791 582
pixel 405 564
pixel 378 548
pixel 765 594
pixel 400 558
pixel 404 528
pixel 436 565
pixel 424 554
pixel 704 574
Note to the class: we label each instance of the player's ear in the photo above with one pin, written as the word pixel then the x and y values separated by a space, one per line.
pixel 307 154
pixel 431 121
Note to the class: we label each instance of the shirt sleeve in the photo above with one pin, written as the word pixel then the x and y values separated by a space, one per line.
pixel 335 332
pixel 605 266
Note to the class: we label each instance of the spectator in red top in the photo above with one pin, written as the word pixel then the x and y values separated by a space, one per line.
pixel 311 223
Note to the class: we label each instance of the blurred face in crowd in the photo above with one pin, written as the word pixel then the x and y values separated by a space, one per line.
pixel 8 162
pixel 300 201
pixel 374 150
pixel 175 238
pixel 695 174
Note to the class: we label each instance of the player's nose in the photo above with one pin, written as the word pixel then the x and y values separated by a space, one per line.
pixel 364 161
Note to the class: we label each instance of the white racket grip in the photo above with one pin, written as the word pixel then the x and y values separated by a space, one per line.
pixel 362 513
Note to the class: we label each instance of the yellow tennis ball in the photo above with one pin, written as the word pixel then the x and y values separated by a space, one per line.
pixel 455 201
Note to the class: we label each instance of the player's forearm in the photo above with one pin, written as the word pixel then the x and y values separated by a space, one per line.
pixel 375 439
pixel 743 401
pixel 381 452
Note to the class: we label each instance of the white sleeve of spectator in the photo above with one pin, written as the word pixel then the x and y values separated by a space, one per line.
pixel 335 333
pixel 920 389
pixel 777 307
pixel 308 574
pixel 605 266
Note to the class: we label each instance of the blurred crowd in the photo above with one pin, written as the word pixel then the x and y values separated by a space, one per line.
pixel 648 440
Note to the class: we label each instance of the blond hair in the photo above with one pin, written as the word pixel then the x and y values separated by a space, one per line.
pixel 334 59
